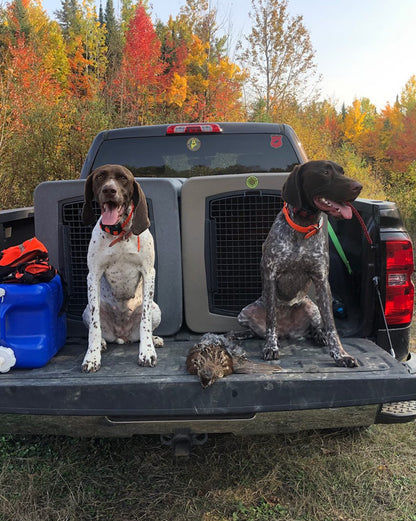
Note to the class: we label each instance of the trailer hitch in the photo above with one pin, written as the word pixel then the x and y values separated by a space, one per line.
pixel 182 441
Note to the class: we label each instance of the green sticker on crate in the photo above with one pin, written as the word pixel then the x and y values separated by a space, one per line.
pixel 252 181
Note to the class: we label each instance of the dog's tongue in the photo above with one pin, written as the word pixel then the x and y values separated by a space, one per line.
pixel 346 211
pixel 340 210
pixel 110 215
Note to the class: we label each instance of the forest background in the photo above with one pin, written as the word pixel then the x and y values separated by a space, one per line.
pixel 63 80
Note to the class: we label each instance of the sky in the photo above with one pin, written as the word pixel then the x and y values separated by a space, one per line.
pixel 364 48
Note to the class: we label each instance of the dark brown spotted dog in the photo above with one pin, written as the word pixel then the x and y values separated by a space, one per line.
pixel 295 253
pixel 121 272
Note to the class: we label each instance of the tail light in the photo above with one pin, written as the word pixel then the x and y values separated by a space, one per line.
pixel 194 128
pixel 399 286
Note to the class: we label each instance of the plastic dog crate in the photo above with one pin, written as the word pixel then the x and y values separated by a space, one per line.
pixel 58 225
pixel 225 220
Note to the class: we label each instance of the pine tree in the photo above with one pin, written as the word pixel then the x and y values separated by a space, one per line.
pixel 113 40
pixel 68 17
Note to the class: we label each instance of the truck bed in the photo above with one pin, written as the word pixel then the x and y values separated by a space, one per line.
pixel 309 380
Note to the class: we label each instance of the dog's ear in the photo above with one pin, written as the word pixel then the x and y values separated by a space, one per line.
pixel 87 215
pixel 141 215
pixel 292 189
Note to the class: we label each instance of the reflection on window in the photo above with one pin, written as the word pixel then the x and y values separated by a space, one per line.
pixel 170 156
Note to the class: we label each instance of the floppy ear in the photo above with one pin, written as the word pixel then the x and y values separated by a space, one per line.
pixel 87 215
pixel 292 189
pixel 140 220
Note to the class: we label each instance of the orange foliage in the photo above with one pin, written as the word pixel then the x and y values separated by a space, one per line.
pixel 79 80
pixel 30 83
pixel 402 148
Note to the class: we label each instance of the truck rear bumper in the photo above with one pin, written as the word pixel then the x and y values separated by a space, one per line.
pixel 250 424
pixel 258 423
pixel 123 399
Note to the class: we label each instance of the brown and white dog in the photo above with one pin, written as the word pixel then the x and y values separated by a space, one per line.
pixel 295 254
pixel 121 274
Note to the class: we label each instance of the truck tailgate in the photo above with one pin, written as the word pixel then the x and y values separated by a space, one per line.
pixel 309 380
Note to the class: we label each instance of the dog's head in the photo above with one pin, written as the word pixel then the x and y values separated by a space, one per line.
pixel 115 190
pixel 321 186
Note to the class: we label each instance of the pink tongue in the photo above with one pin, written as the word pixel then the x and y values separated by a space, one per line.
pixel 346 211
pixel 109 217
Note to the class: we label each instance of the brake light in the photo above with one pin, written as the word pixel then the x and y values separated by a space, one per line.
pixel 194 128
pixel 399 286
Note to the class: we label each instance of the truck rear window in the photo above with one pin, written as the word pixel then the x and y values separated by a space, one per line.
pixel 199 154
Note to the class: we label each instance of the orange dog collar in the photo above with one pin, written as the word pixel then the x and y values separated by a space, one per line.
pixel 309 231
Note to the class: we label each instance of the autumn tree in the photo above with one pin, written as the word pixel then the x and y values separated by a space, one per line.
pixel 278 54
pixel 402 147
pixel 359 126
pixel 408 95
pixel 138 83
pixel 86 49
pixel 210 86
pixel 174 38
pixel 34 101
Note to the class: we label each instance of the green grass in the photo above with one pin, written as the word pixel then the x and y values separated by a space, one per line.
pixel 343 476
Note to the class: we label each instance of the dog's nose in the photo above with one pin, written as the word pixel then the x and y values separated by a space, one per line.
pixel 109 190
pixel 356 188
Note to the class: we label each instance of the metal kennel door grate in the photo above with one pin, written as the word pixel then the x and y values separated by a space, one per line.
pixel 237 226
pixel 76 239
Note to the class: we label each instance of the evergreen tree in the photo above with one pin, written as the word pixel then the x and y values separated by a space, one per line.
pixel 113 40
pixel 101 14
pixel 68 18
pixel 19 24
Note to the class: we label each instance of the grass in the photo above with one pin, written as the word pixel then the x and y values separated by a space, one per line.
pixel 341 476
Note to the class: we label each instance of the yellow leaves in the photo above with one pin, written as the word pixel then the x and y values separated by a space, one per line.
pixel 223 69
pixel 198 53
pixel 354 121
pixel 176 93
pixel 408 94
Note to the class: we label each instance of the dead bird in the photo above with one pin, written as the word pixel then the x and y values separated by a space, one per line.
pixel 216 356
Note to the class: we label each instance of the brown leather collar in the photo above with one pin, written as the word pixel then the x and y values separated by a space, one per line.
pixel 309 231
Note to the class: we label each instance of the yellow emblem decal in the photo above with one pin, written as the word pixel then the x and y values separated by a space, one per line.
pixel 193 144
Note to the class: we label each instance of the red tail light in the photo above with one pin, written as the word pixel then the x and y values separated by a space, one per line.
pixel 194 128
pixel 399 286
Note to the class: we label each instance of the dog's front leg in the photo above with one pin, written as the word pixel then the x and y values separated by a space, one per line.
pixel 324 302
pixel 147 353
pixel 92 359
pixel 270 297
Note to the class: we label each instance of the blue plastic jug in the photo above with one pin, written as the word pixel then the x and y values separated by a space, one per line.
pixel 31 322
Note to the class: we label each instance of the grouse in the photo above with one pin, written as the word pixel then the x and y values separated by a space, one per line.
pixel 216 356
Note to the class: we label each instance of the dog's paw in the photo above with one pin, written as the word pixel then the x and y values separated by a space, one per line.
pixel 344 360
pixel 158 341
pixel 150 361
pixel 103 345
pixel 147 358
pixel 91 366
pixel 271 352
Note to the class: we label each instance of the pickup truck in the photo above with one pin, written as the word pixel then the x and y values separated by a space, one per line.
pixel 213 191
